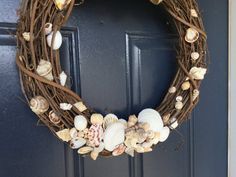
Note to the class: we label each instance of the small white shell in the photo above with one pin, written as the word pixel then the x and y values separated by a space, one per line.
pixel 172 90
pixel 179 98
pixel 195 55
pixel 65 106
pixel 198 73
pixel 80 106
pixel 64 135
pixel 80 122
pixel 57 41
pixel 73 133
pixel 174 123
pixel 179 105
pixel 156 2
pixel 164 134
pixel 44 69
pixel 114 135
pixel 61 4
pixel 77 143
pixel 193 13
pixel 48 28
pixel 109 119
pixel 26 36
pixel 195 94
pixel 152 117
pixel 39 105
pixel 63 78
pixel 192 35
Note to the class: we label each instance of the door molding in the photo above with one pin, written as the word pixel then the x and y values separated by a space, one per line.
pixel 232 89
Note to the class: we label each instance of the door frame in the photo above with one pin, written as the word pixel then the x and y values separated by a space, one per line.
pixel 232 89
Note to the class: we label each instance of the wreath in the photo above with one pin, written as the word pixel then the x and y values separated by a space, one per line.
pixel 45 87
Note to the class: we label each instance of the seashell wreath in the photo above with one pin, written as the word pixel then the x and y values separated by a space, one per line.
pixel 45 84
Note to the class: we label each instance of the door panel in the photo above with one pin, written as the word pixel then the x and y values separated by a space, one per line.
pixel 121 58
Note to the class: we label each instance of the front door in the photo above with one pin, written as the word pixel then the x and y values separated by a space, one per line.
pixel 121 58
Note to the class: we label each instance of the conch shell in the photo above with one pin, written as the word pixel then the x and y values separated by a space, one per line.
pixel 39 105
pixel 198 73
pixel 44 69
pixel 61 4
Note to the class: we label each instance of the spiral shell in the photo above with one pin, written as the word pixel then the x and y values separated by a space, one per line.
pixel 192 35
pixel 44 69
pixel 39 105
pixel 54 118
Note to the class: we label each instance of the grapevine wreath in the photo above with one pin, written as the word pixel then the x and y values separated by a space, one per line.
pixel 66 115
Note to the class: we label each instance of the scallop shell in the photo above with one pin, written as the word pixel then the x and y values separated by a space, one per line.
pixel 65 106
pixel 119 150
pixel 195 55
pixel 195 94
pixel 164 134
pixel 192 35
pixel 80 122
pixel 61 4
pixel 57 41
pixel 77 143
pixel 172 90
pixel 156 2
pixel 44 69
pixel 114 135
pixel 64 135
pixel 54 118
pixel 179 105
pixel 152 117
pixel 96 119
pixel 186 85
pixel 109 119
pixel 94 155
pixel 194 13
pixel 95 135
pixel 197 73
pixel 80 106
pixel 26 36
pixel 85 150
pixel 48 28
pixel 73 133
pixel 129 151
pixel 39 105
pixel 63 78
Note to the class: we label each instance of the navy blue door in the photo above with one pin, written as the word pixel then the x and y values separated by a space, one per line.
pixel 121 57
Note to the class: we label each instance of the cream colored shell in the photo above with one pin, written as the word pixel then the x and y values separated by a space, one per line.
pixel 54 118
pixel 64 135
pixel 80 106
pixel 39 105
pixel 192 35
pixel 48 28
pixel 85 150
pixel 96 119
pixel 26 36
pixel 44 69
pixel 198 73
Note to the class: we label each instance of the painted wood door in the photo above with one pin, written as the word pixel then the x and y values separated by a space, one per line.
pixel 121 57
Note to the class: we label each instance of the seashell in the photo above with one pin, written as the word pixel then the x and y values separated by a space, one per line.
pixel 156 2
pixel 96 119
pixel 39 105
pixel 44 69
pixel 64 135
pixel 193 13
pixel 147 145
pixel 94 155
pixel 65 106
pixel 48 28
pixel 124 122
pixel 172 89
pixel 129 151
pixel 63 78
pixel 142 135
pixel 132 120
pixel 77 143
pixel 95 135
pixel 26 36
pixel 120 149
pixel 81 134
pixel 61 4
pixel 185 85
pixel 164 134
pixel 195 94
pixel 85 150
pixel 195 56
pixel 57 41
pixel 192 35
pixel 139 149
pixel 166 118
pixel 149 149
pixel 114 135
pixel 131 141
pixel 174 123
pixel 100 148
pixel 145 126
pixel 152 117
pixel 109 119
pixel 179 105
pixel 179 98
pixel 54 118
pixel 198 73
pixel 155 140
pixel 73 133
pixel 80 106
pixel 80 122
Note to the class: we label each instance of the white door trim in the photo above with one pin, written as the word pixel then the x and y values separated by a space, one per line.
pixel 232 91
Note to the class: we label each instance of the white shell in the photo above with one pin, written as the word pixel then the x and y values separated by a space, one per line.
pixel 57 41
pixel 192 35
pixel 80 122
pixel 186 85
pixel 44 69
pixel 193 13
pixel 61 4
pixel 152 117
pixel 172 90
pixel 64 135
pixel 39 105
pixel 65 106
pixel 164 134
pixel 109 119
pixel 198 73
pixel 114 135
pixel 73 133
pixel 77 143
pixel 195 94
pixel 26 36
pixel 179 105
pixel 80 106
pixel 195 55
pixel 63 78
pixel 174 123
pixel 124 122
pixel 48 28
pixel 179 98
